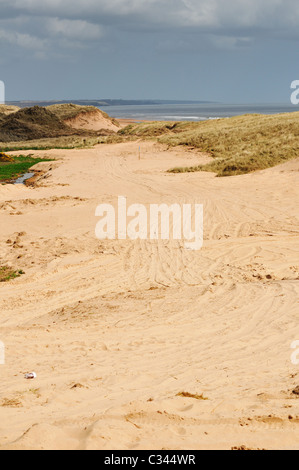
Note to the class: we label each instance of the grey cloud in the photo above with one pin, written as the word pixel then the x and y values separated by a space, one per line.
pixel 210 15
pixel 74 29
pixel 49 25
pixel 22 40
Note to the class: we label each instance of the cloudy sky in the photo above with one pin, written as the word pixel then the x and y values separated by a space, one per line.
pixel 233 51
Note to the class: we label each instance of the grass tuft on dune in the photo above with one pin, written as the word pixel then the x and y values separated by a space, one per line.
pixel 196 396
pixel 7 274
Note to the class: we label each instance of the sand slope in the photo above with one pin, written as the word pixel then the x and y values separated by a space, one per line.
pixel 5 110
pixel 116 329
pixel 84 117
pixel 92 121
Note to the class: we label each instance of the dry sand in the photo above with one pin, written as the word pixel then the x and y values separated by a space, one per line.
pixel 116 329
pixel 94 121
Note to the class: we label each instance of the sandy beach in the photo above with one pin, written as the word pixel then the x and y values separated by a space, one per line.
pixel 118 330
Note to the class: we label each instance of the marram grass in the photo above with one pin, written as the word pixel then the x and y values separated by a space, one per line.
pixel 238 145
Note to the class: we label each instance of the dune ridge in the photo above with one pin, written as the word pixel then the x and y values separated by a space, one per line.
pixel 37 123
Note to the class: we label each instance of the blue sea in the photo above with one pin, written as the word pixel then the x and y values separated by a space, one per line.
pixel 193 112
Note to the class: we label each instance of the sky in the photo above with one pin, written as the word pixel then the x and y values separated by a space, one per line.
pixel 229 51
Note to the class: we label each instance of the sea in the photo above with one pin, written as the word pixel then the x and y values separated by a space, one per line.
pixel 193 112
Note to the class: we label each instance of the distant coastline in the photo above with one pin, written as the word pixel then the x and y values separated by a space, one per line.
pixel 163 110
pixel 106 102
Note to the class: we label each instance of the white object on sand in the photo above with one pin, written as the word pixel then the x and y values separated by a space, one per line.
pixel 31 376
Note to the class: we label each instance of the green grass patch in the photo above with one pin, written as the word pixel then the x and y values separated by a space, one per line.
pixel 20 165
pixel 7 274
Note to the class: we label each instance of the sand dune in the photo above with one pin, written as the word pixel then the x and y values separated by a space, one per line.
pixel 115 330
pixel 84 117
pixel 92 121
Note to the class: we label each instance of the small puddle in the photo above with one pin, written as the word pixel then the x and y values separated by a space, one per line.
pixel 23 178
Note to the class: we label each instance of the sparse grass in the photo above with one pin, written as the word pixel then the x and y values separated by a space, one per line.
pixel 20 165
pixel 11 403
pixel 155 129
pixel 239 145
pixel 191 395
pixel 63 143
pixel 7 274
pixel 69 111
pixel 35 391
pixel 118 139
